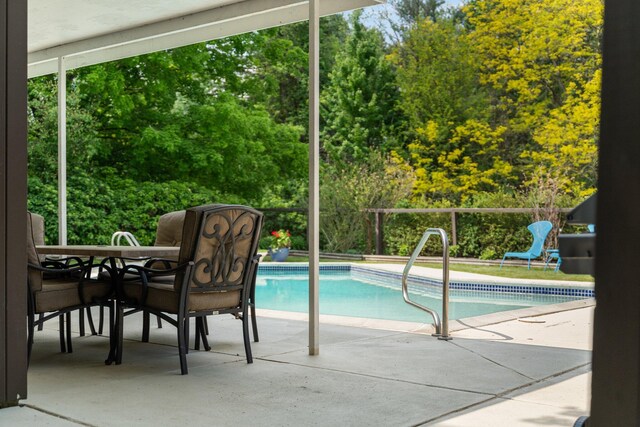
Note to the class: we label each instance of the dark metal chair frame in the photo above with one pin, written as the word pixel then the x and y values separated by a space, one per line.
pixel 61 314
pixel 72 269
pixel 188 285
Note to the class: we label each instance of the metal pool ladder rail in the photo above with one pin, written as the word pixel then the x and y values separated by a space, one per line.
pixel 442 328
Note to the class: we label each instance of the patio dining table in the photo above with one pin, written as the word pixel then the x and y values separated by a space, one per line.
pixel 112 254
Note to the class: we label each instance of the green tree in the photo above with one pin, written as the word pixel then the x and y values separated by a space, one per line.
pixel 180 124
pixel 348 189
pixel 438 77
pixel 359 105
pixel 281 67
pixel 454 147
pixel 413 11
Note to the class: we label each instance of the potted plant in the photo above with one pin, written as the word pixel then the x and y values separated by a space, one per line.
pixel 279 246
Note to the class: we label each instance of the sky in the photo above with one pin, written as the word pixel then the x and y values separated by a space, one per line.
pixel 378 16
pixel 387 8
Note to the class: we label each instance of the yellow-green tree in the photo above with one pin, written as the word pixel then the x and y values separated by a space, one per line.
pixel 542 61
pixel 470 163
pixel 567 150
pixel 453 147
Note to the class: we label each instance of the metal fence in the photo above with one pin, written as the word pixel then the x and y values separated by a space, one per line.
pixel 454 212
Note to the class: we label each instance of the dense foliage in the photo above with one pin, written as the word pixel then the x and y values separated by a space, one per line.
pixel 491 104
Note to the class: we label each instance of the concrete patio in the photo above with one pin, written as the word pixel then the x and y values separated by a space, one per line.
pixel 522 372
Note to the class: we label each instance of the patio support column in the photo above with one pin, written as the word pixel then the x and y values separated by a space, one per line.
pixel 314 176
pixel 13 202
pixel 62 152
pixel 615 383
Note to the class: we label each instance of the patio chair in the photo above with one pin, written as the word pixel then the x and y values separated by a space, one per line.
pixel 552 254
pixel 169 233
pixel 56 288
pixel 38 237
pixel 539 230
pixel 214 275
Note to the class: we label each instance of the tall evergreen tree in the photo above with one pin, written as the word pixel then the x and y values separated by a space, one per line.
pixel 412 11
pixel 359 104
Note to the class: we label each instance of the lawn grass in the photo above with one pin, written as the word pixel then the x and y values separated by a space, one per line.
pixel 536 273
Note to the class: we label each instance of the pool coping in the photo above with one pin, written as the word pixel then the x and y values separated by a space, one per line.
pixel 500 285
pixel 522 314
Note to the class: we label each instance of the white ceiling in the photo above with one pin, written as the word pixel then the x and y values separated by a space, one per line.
pixel 87 32
pixel 53 23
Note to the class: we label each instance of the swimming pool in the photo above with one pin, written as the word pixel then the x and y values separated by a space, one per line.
pixel 366 293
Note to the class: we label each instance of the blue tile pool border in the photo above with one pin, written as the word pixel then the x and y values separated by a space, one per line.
pixel 420 282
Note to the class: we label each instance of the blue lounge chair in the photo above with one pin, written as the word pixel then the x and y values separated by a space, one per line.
pixel 540 230
pixel 551 255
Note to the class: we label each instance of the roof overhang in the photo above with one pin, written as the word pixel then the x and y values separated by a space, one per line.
pixel 87 32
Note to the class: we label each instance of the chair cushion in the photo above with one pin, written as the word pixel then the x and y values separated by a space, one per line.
pixel 35 236
pixel 96 289
pixel 58 294
pixel 37 224
pixel 162 296
pixel 207 253
pixel 169 231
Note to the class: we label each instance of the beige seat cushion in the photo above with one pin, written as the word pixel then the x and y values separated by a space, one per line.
pixel 162 296
pixel 169 231
pixel 58 294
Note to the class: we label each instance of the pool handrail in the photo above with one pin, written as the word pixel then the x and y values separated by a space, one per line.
pixel 442 327
pixel 118 235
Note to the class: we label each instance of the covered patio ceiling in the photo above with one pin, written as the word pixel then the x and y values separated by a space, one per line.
pixel 68 34
pixel 86 32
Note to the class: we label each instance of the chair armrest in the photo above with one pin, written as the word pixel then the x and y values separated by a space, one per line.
pixel 104 263
pixel 66 261
pixel 167 263
pixel 146 272
pixel 81 268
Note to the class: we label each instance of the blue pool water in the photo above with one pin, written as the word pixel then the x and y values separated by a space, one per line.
pixel 348 293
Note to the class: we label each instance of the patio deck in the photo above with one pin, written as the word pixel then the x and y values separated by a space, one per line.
pixel 518 373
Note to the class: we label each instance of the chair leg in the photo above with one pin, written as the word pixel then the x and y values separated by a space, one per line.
pixel 182 346
pixel 101 321
pixel 81 321
pixel 69 348
pixel 247 342
pixel 30 326
pixel 502 262
pixel 201 333
pixel 92 327
pixel 119 331
pixel 254 323
pixel 186 334
pixel 159 320
pixel 63 347
pixel 145 326
pixel 196 345
pixel 113 340
pixel 41 324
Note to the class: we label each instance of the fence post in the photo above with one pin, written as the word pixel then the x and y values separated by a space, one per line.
pixel 379 233
pixel 454 238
